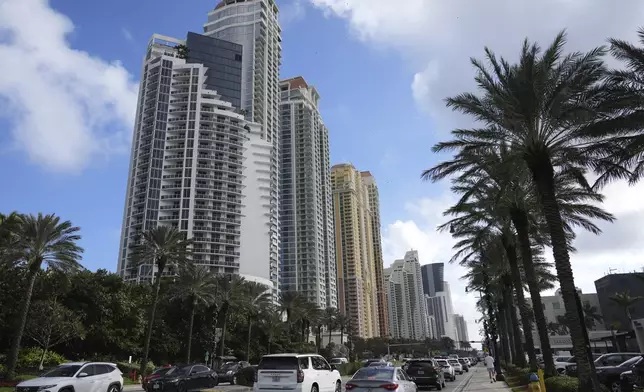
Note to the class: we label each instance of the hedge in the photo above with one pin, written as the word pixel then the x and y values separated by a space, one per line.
pixel 566 384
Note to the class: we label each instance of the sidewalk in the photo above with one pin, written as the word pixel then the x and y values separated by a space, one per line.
pixel 480 382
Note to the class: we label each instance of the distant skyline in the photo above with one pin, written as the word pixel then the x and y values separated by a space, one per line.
pixel 69 84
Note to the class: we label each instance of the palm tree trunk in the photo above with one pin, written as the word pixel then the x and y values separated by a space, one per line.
pixel 191 324
pixel 510 330
pixel 250 327
pixel 341 335
pixel 526 317
pixel 222 343
pixel 329 334
pixel 503 333
pixel 153 312
pixel 520 222
pixel 519 357
pixel 20 328
pixel 543 175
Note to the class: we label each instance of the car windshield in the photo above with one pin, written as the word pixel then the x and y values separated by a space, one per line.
pixel 378 364
pixel 630 362
pixel 178 371
pixel 229 366
pixel 62 371
pixel 162 371
pixel 461 360
pixel 374 374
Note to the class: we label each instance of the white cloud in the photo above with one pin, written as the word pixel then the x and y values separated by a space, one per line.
pixel 437 38
pixel 127 34
pixel 64 105
pixel 292 11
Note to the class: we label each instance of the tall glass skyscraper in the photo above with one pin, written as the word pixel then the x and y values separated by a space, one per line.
pixel 433 277
pixel 254 25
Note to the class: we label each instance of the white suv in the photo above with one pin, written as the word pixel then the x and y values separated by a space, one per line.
pixel 296 372
pixel 77 377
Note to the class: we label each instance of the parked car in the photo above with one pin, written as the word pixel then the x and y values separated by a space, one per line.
pixel 76 377
pixel 229 371
pixel 562 362
pixel 184 378
pixel 426 373
pixel 611 375
pixel 338 361
pixel 633 378
pixel 381 379
pixel 145 381
pixel 611 359
pixel 370 361
pixel 297 372
pixel 448 370
pixel 458 368
pixel 464 364
pixel 380 364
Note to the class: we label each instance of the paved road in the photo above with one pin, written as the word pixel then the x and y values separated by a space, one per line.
pixel 459 385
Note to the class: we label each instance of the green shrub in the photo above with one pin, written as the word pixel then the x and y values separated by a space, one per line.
pixel 246 377
pixel 348 369
pixel 566 384
pixel 29 358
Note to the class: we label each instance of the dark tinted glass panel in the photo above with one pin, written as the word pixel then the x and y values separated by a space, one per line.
pixel 283 363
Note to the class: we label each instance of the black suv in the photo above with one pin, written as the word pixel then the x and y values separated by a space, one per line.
pixel 185 378
pixel 426 373
pixel 228 371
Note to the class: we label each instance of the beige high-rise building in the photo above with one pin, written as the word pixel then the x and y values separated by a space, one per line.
pixel 381 292
pixel 354 244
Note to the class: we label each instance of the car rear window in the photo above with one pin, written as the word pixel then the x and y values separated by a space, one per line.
pixel 442 363
pixel 278 363
pixel 420 365
pixel 374 374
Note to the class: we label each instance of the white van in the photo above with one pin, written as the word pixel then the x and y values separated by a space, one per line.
pixel 296 372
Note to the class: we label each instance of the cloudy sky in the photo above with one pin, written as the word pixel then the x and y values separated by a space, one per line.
pixel 69 75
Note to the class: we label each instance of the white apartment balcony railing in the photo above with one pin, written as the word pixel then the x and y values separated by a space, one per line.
pixel 172 101
pixel 169 197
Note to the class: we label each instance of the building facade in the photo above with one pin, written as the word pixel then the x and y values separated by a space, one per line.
pixel 307 262
pixel 614 315
pixel 381 294
pixel 433 277
pixel 354 250
pixel 461 329
pixel 440 307
pixel 187 160
pixel 253 24
pixel 553 307
pixel 408 318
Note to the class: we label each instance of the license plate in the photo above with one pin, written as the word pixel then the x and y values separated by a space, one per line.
pixel 276 378
pixel 421 372
pixel 155 386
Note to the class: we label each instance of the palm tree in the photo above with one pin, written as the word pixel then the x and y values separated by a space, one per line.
pixel 272 324
pixel 43 241
pixel 163 247
pixel 625 301
pixel 591 315
pixel 546 108
pixel 329 318
pixel 9 234
pixel 495 188
pixel 197 284
pixel 553 328
pixel 341 322
pixel 256 298
pixel 182 51
pixel 231 290
pixel 290 301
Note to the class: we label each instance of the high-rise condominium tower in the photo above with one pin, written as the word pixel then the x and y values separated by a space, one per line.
pixel 461 329
pixel 381 294
pixel 187 163
pixel 254 25
pixel 306 210
pixel 433 276
pixel 354 250
pixel 407 307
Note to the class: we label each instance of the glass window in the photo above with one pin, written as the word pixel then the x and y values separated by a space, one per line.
pixel 278 363
pixel 62 371
pixel 199 369
pixel 303 362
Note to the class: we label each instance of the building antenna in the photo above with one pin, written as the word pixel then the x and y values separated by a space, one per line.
pixel 611 270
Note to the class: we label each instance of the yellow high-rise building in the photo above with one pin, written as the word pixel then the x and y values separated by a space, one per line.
pixel 354 241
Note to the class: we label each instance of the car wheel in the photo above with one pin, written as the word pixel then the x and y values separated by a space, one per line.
pixel 215 382
pixel 114 388
pixel 338 386
pixel 182 387
pixel 439 387
pixel 615 387
pixel 314 388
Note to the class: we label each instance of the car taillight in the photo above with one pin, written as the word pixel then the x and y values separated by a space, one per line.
pixel 389 387
pixel 350 386
pixel 300 376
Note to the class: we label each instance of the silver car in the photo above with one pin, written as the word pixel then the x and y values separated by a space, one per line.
pixel 381 379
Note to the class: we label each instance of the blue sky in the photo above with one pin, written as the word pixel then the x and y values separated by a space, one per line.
pixel 365 103
pixel 69 75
